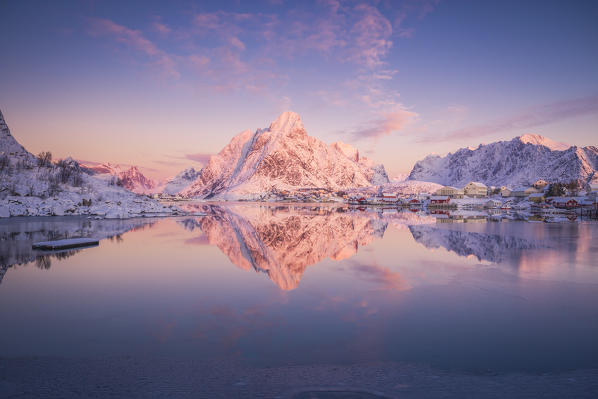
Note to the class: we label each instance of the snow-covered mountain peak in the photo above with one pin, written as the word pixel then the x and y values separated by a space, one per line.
pixel 537 139
pixel 287 122
pixel 282 158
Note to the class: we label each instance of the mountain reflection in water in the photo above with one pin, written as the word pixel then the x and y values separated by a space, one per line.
pixel 282 240
pixel 333 284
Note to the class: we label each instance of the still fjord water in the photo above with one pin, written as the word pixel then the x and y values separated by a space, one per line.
pixel 304 285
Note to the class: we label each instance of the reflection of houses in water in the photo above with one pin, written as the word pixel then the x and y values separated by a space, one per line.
pixel 447 216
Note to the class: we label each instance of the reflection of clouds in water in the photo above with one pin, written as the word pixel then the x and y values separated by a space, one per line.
pixel 382 277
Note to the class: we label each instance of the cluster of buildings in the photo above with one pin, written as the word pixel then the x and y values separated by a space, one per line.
pixel 479 195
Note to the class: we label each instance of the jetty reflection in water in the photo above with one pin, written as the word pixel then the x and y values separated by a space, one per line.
pixel 333 284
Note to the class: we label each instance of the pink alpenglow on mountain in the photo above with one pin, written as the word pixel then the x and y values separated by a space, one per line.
pixel 131 178
pixel 282 157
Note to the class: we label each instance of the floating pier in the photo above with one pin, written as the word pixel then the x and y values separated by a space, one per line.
pixel 66 243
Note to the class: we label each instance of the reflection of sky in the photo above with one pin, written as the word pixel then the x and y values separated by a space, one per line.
pixel 156 294
pixel 163 84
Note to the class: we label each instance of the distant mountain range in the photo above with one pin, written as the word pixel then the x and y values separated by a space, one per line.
pixel 282 157
pixel 130 177
pixel 521 161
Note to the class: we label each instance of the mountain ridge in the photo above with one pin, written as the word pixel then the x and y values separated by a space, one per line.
pixel 281 157
pixel 520 161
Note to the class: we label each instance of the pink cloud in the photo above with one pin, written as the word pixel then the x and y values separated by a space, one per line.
pixel 161 28
pixel 236 42
pixel 199 157
pixel 391 122
pixel 136 40
pixel 371 34
pixel 532 117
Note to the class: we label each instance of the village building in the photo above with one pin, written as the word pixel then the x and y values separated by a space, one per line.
pixel 536 197
pixel 440 200
pixel 540 184
pixel 505 191
pixel 564 202
pixel 389 197
pixel 476 190
pixel 452 192
pixel 523 191
pixel 493 203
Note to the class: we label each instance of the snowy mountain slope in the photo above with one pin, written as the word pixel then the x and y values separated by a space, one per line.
pixel 521 161
pixel 131 178
pixel 31 188
pixel 180 181
pixel 536 139
pixel 282 157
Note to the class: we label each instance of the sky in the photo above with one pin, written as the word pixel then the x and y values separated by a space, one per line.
pixel 164 85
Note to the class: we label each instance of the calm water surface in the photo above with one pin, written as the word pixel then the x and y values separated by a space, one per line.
pixel 305 285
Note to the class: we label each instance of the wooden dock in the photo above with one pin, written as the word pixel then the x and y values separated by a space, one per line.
pixel 66 243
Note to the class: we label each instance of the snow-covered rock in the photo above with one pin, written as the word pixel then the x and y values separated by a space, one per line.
pixel 519 162
pixel 130 177
pixel 28 188
pixel 181 181
pixel 282 157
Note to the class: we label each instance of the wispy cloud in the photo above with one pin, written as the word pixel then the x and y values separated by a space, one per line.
pixel 232 51
pixel 199 157
pixel 529 118
pixel 135 39
pixel 391 122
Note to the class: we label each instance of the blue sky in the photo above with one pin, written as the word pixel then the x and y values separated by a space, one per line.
pixel 163 84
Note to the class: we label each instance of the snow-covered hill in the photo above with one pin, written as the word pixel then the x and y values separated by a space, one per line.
pixel 282 157
pixel 130 177
pixel 521 161
pixel 30 187
pixel 181 181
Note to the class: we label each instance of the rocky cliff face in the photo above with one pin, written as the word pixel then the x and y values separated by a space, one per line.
pixel 9 147
pixel 282 157
pixel 521 161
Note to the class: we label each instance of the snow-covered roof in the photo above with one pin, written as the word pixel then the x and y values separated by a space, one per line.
pixel 440 197
pixel 536 195
pixel 477 184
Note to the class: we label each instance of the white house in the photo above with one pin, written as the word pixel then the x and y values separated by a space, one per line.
pixel 476 189
pixel 449 191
